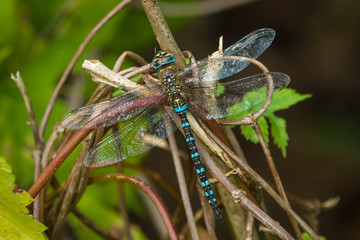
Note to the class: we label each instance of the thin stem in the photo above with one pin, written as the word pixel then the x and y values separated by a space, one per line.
pixel 136 57
pixel 276 176
pixel 61 209
pixel 44 161
pixel 39 145
pixel 249 227
pixel 32 120
pixel 147 190
pixel 162 32
pixel 122 204
pixel 71 64
pixel 157 177
pixel 90 224
pixel 234 143
pixel 209 221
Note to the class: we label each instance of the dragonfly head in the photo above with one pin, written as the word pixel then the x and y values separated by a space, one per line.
pixel 162 59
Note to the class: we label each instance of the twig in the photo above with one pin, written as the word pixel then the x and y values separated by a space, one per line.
pixel 72 193
pixel 147 190
pixel 234 143
pixel 209 221
pixel 249 226
pixel 136 57
pixel 87 222
pixel 162 32
pixel 58 129
pixel 121 192
pixel 178 213
pixel 102 74
pixel 58 160
pixel 276 176
pixel 38 149
pixel 157 177
pixel 32 120
pixel 40 199
pixel 73 61
pixel 122 204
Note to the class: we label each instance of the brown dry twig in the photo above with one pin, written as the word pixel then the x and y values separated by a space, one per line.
pixel 87 222
pixel 39 145
pixel 32 120
pixel 162 32
pixel 275 175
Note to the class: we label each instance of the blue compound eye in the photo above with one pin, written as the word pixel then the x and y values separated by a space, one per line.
pixel 168 58
pixel 162 58
pixel 155 64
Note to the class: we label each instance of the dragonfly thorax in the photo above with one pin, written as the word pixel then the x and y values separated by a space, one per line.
pixel 171 85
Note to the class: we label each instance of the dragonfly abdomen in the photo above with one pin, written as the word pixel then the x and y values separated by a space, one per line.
pixel 180 107
pixel 162 63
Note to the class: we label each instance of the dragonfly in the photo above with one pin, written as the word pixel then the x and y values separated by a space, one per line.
pixel 201 85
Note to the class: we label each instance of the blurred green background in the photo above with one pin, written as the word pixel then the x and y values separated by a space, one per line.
pixel 317 45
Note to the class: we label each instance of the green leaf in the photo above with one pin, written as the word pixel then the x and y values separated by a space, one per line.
pixel 306 236
pixel 285 99
pixel 278 132
pixel 250 134
pixel 16 222
pixel 264 127
pixel 10 180
pixel 253 101
pixel 220 89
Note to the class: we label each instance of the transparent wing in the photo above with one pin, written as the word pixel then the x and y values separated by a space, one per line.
pixel 226 98
pixel 80 116
pixel 217 66
pixel 143 132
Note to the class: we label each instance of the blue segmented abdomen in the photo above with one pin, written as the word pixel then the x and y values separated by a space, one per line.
pixel 162 60
pixel 180 107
